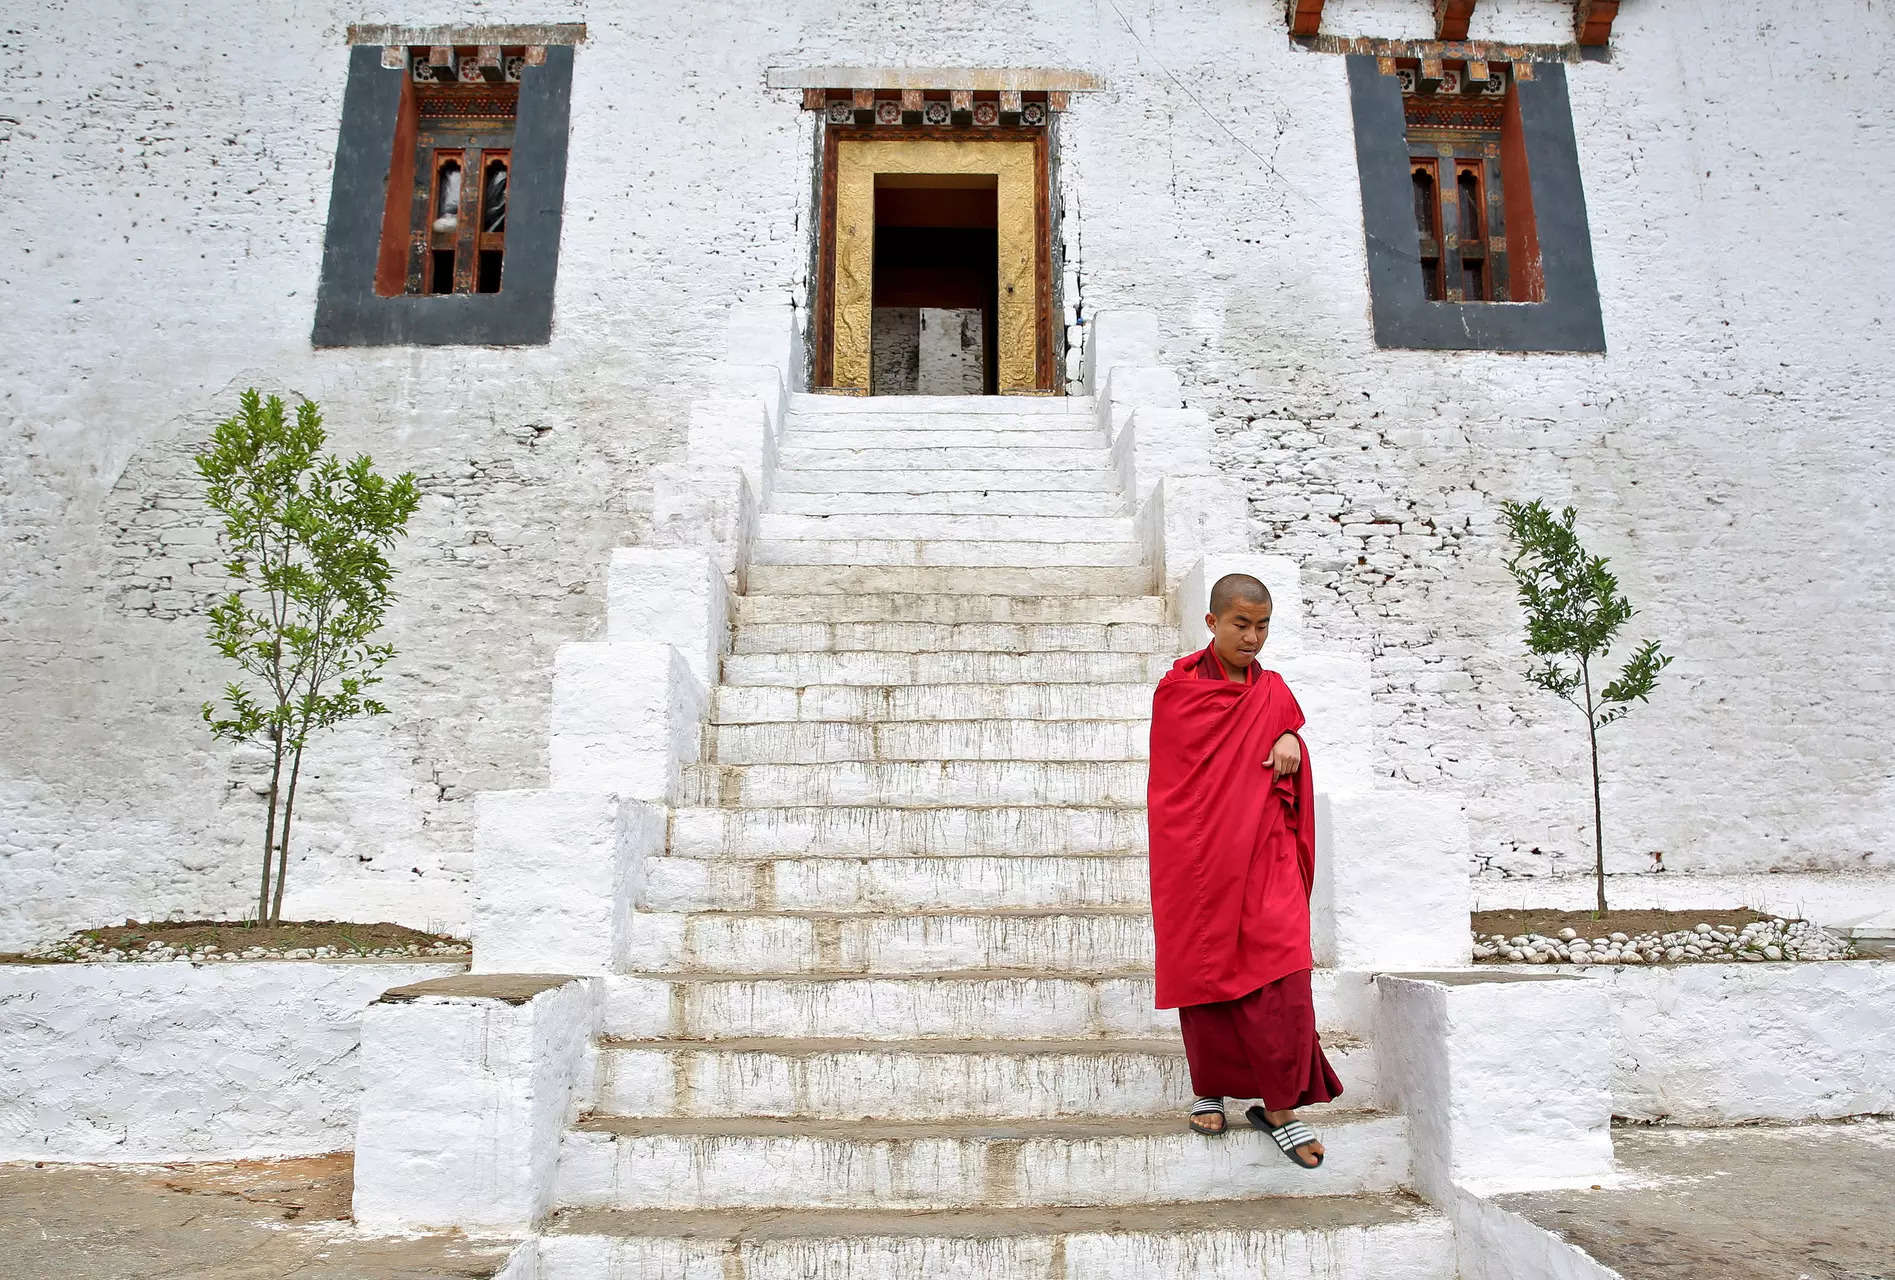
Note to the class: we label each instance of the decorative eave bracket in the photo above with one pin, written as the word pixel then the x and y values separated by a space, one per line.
pixel 1592 19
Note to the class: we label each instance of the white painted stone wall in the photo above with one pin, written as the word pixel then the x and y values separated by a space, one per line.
pixel 1732 1044
pixel 131 1062
pixel 168 173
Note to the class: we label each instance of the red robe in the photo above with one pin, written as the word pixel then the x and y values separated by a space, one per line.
pixel 1233 858
pixel 1233 846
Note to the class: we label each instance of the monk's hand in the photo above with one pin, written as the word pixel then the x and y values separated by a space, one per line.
pixel 1286 757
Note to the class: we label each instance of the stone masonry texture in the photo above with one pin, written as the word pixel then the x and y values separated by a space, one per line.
pixel 166 174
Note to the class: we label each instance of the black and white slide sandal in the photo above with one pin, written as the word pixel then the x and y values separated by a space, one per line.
pixel 1288 1137
pixel 1209 1107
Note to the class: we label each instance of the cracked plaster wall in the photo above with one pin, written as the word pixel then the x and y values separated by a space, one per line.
pixel 168 181
pixel 177 1061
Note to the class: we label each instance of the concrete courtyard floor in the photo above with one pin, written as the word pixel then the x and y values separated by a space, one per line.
pixel 1765 1202
pixel 1762 1202
pixel 253 1220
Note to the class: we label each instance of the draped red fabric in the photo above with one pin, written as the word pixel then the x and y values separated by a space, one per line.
pixel 1263 1045
pixel 1233 846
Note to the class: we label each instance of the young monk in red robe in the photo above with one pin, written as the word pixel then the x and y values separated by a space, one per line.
pixel 1233 856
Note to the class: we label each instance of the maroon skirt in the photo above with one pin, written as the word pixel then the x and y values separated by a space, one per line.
pixel 1262 1045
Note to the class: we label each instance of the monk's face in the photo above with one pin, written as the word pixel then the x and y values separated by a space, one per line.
pixel 1239 632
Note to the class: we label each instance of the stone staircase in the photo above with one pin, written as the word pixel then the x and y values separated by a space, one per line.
pixel 889 1005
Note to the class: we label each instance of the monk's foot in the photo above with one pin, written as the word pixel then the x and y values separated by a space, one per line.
pixel 1308 1152
pixel 1207 1117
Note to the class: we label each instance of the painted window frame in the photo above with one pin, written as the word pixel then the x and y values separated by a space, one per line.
pixel 1567 317
pixel 350 310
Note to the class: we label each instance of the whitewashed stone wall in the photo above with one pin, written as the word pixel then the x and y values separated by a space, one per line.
pixel 168 182
pixel 133 1062
pixel 1735 1044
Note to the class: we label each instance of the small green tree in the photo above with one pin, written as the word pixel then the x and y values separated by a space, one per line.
pixel 306 536
pixel 1574 609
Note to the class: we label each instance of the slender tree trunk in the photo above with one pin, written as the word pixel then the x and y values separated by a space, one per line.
pixel 283 846
pixel 1598 821
pixel 269 828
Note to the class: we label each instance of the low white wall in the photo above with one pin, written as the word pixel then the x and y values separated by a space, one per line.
pixel 131 1062
pixel 1726 1044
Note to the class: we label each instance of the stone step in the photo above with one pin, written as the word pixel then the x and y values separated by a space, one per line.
pixel 1064 941
pixel 763 704
pixel 1364 1237
pixel 961 637
pixel 972 1005
pixel 759 608
pixel 940 431
pixel 765 1163
pixel 807 406
pixel 959 1006
pixel 1107 502
pixel 883 668
pixel 848 579
pixel 822 742
pixel 946 553
pixel 894 884
pixel 1013 477
pixel 1096 459
pixel 978 527
pixel 942 1080
pixel 863 831
pixel 915 784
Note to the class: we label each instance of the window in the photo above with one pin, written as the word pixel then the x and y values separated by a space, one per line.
pixel 1454 124
pixel 445 230
pixel 1473 210
pixel 446 205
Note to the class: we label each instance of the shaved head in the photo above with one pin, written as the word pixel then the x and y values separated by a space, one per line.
pixel 1234 589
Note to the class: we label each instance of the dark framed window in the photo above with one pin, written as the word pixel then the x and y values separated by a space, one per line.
pixel 1473 210
pixel 445 210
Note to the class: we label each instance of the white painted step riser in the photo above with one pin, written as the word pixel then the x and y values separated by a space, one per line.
pixel 903 1084
pixel 912 785
pixel 912 479
pixel 818 831
pixel 808 405
pixel 928 740
pixel 995 503
pixel 1421 1250
pixel 870 667
pixel 947 554
pixel 1050 944
pixel 928 457
pixel 919 1007
pixel 949 433
pixel 887 1008
pixel 895 884
pixel 966 637
pixel 694 1172
pixel 794 579
pixel 777 704
pixel 759 608
pixel 981 527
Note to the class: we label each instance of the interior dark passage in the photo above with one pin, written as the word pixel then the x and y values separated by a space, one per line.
pixel 936 280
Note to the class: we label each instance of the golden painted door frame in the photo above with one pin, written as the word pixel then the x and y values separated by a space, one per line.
pixel 845 262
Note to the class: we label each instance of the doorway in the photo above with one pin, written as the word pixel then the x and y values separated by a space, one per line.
pixel 934 302
pixel 934 264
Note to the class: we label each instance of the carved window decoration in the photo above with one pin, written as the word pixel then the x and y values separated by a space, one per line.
pixel 1456 117
pixel 457 130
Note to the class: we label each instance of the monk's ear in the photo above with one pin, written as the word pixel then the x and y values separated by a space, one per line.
pixel 1210 623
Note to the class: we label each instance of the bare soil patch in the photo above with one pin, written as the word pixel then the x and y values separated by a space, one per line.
pixel 338 938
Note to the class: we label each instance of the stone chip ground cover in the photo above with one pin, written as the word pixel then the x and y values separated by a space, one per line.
pixel 212 940
pixel 1649 937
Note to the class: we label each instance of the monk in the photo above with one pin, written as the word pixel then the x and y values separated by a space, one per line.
pixel 1233 856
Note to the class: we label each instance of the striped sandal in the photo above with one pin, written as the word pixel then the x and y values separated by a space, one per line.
pixel 1201 1112
pixel 1288 1136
